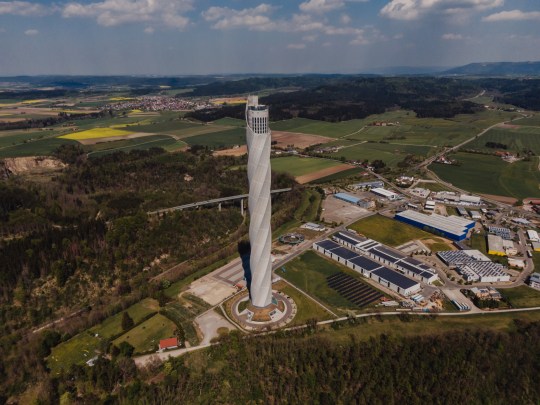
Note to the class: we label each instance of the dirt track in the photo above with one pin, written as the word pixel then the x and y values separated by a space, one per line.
pixel 306 178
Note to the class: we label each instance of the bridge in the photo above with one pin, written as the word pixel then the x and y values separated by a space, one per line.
pixel 217 201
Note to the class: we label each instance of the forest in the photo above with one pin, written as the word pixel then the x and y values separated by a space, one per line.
pixel 305 367
pixel 84 242
pixel 349 97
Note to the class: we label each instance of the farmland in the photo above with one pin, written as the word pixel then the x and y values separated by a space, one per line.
pixel 517 139
pixel 220 139
pixel 147 142
pixel 491 175
pixel 388 231
pixel 96 133
pixel 297 166
pixel 41 147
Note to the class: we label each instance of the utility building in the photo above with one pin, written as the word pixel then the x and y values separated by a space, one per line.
pixel 451 227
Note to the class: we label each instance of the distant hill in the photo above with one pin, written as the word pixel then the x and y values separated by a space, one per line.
pixel 496 69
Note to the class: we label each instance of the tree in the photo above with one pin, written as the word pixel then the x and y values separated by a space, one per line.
pixel 126 349
pixel 127 321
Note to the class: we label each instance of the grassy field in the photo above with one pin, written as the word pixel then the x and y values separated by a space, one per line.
pixel 219 139
pixel 307 308
pixel 388 231
pixel 297 166
pixel 433 186
pixel 517 139
pixel 389 153
pixel 12 138
pixel 147 142
pixel 183 312
pixel 146 336
pixel 112 326
pixel 233 122
pixel 521 297
pixel 96 133
pixel 534 120
pixel 309 272
pixel 423 326
pixel 41 147
pixel 491 175
pixel 339 176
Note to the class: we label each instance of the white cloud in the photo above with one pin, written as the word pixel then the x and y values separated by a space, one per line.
pixel 31 32
pixel 22 8
pixel 513 15
pixel 149 30
pixel 321 6
pixel 452 37
pixel 296 46
pixel 398 36
pixel 309 38
pixel 255 18
pixel 116 12
pixel 345 19
pixel 415 9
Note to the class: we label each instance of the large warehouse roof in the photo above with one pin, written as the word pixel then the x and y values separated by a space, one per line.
pixel 451 224
pixel 347 197
pixel 395 278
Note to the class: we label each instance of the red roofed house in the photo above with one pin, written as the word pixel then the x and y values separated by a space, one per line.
pixel 170 343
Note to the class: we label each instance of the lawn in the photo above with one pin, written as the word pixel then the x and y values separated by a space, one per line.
pixel 534 120
pixel 233 122
pixel 517 139
pixel 389 153
pixel 298 166
pixel 183 312
pixel 388 231
pixel 112 326
pixel 306 308
pixel 96 133
pixel 147 142
pixel 146 336
pixel 77 350
pixel 521 297
pixel 309 272
pixel 491 175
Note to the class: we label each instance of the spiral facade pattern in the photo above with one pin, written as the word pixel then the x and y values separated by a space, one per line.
pixel 259 175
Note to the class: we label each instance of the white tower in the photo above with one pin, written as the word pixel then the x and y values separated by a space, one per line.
pixel 259 175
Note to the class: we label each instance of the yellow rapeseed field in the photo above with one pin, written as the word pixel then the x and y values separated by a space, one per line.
pixel 96 133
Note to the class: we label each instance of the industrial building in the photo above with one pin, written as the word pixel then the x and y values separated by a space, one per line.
pixel 533 235
pixel 429 205
pixel 361 202
pixel 500 231
pixel 495 245
pixel 368 184
pixel 484 272
pixel 368 268
pixel 451 227
pixel 450 197
pixel 476 215
pixel 462 211
pixel 534 281
pixel 381 192
pixel 456 257
pixel 536 246
pixel 387 256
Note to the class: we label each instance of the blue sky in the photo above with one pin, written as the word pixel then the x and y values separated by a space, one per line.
pixel 166 37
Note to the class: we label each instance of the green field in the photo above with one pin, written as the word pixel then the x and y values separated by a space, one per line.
pixel 306 308
pixel 389 153
pixel 112 326
pixel 491 175
pixel 233 122
pixel 147 142
pixel 183 312
pixel 298 166
pixel 534 121
pixel 339 176
pixel 41 147
pixel 219 139
pixel 146 336
pixel 388 231
pixel 309 272
pixel 521 297
pixel 517 139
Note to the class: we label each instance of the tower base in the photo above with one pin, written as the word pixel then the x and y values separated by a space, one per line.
pixel 276 315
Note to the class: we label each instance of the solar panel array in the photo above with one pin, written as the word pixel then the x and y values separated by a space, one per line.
pixel 499 231
pixel 395 278
pixel 353 290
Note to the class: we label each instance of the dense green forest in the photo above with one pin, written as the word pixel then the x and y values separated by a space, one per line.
pixel 303 367
pixel 82 241
pixel 346 98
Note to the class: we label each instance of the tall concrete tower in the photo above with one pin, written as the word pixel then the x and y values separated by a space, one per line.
pixel 259 175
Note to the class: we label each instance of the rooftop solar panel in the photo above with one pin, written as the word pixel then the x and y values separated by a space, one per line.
pixel 365 263
pixel 344 253
pixel 346 239
pixel 390 252
pixel 381 255
pixel 415 270
pixel 327 244
pixel 395 278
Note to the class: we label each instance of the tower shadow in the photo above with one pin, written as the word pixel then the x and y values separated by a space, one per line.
pixel 244 250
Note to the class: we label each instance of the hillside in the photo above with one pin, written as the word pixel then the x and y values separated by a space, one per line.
pixel 497 69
